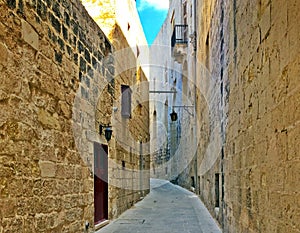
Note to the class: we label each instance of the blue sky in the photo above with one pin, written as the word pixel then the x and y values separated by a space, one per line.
pixel 152 14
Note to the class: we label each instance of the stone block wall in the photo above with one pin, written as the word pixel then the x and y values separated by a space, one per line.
pixel 46 48
pixel 261 156
pixel 260 115
pixel 212 67
pixel 129 169
pixel 56 86
pixel 131 172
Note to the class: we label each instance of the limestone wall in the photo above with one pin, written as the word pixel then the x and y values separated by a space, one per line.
pixel 263 130
pixel 46 50
pixel 130 180
pixel 212 97
pixel 254 46
pixel 56 86
pixel 129 159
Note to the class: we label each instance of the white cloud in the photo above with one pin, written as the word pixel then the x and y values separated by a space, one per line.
pixel 156 4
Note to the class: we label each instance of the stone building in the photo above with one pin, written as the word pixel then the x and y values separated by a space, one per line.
pixel 247 110
pixel 121 24
pixel 172 59
pixel 61 90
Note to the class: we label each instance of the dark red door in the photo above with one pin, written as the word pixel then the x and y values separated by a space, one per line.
pixel 100 182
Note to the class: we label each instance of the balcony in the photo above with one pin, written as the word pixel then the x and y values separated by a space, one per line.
pixel 179 42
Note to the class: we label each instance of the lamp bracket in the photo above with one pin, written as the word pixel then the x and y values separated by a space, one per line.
pixel 185 107
pixel 172 91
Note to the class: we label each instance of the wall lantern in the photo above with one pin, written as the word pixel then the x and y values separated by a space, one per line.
pixel 107 131
pixel 174 116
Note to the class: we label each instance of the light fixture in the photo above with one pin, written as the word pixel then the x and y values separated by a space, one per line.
pixel 107 131
pixel 186 108
pixel 173 116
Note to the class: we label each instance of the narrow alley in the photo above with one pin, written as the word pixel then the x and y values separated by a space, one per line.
pixel 167 208
pixel 104 128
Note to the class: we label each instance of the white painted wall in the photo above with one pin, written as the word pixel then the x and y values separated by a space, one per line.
pixel 167 74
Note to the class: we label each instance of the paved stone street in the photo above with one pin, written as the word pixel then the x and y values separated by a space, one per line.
pixel 167 209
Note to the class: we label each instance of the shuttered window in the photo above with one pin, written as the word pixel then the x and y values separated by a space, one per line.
pixel 126 101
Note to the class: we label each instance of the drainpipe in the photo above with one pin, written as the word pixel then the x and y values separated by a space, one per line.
pixel 195 96
pixel 141 171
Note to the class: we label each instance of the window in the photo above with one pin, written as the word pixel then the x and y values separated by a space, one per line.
pixel 193 181
pixel 217 190
pixel 184 89
pixel 166 74
pixel 207 53
pixel 126 101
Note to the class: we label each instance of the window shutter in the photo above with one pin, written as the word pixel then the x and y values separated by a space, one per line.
pixel 126 101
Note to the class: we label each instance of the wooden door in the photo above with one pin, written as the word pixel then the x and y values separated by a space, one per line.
pixel 100 182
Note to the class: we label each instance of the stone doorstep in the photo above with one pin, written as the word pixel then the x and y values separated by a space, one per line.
pixel 101 224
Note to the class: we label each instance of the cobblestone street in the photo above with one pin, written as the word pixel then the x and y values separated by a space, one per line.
pixel 168 208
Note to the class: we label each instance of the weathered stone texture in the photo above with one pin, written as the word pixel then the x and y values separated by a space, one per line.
pixel 48 51
pixel 128 172
pixel 261 159
pixel 131 149
pixel 57 85
pixel 212 99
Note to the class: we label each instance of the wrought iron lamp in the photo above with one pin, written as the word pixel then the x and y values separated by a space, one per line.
pixel 173 116
pixel 107 131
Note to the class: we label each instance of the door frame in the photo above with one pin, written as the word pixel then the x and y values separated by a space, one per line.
pixel 100 183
